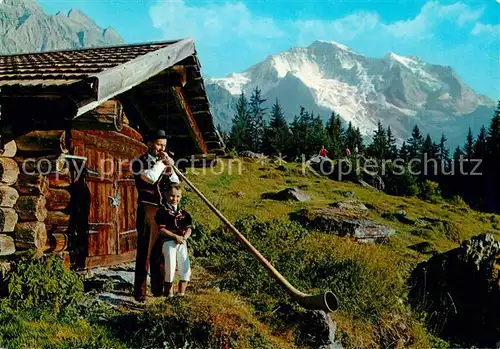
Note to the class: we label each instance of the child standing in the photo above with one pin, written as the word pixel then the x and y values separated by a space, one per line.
pixel 175 227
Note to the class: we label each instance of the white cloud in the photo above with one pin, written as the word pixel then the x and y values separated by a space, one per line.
pixel 481 28
pixel 430 17
pixel 212 24
pixel 342 29
pixel 220 22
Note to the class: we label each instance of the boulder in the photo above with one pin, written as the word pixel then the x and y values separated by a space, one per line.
pixel 354 205
pixel 292 194
pixel 343 222
pixel 312 328
pixel 460 290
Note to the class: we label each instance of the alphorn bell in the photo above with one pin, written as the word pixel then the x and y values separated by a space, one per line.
pixel 327 301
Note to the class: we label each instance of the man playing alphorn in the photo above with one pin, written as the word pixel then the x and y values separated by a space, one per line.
pixel 153 174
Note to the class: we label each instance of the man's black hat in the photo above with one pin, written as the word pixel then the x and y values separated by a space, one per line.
pixel 158 134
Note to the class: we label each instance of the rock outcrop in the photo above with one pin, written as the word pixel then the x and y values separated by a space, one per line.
pixel 460 292
pixel 288 194
pixel 347 218
pixel 312 328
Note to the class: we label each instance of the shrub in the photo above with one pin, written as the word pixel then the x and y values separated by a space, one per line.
pixel 43 284
pixel 430 191
pixel 458 201
pixel 46 308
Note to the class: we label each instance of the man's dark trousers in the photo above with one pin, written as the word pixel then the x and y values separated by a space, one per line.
pixel 148 253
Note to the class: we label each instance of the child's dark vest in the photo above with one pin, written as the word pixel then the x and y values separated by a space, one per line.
pixel 176 222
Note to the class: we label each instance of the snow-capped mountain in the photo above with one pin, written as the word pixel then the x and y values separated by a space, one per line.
pixel 325 76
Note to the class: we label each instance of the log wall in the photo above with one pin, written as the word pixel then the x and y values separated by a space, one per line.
pixel 9 173
pixel 36 184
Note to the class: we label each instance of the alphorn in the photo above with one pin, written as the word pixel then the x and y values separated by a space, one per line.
pixel 327 301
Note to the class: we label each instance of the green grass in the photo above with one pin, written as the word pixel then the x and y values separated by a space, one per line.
pixel 369 279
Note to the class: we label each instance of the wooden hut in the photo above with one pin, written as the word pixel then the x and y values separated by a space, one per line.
pixel 71 122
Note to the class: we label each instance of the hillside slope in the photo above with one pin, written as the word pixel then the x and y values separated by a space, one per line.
pixel 233 302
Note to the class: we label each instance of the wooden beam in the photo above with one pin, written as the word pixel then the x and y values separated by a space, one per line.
pixel 189 119
pixel 198 98
pixel 114 81
pixel 109 260
pixel 199 112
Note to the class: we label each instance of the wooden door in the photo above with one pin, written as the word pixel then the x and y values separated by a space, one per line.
pixel 111 233
pixel 102 235
pixel 127 207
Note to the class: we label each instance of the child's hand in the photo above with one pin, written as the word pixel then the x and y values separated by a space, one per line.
pixel 179 239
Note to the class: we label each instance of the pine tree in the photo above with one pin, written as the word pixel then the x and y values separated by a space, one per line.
pixel 492 192
pixel 318 137
pixel 358 140
pixel 240 134
pixel 429 154
pixel 392 149
pixel 469 145
pixel 458 153
pixel 302 128
pixel 428 147
pixel 379 147
pixel 404 152
pixel 415 143
pixel 494 135
pixel 480 145
pixel 257 113
pixel 350 139
pixel 443 152
pixel 277 135
pixel 334 133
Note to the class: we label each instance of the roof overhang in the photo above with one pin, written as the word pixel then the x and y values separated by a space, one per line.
pixel 122 78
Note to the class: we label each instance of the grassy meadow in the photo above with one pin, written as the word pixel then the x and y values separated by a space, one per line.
pixel 232 301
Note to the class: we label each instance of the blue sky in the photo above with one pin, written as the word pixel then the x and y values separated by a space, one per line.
pixel 231 36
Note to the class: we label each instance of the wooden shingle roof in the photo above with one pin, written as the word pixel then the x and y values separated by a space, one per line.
pixel 65 67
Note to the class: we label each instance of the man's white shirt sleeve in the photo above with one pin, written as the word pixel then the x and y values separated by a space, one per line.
pixel 151 175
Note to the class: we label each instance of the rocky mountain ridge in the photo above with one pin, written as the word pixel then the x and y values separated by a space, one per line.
pixel 25 27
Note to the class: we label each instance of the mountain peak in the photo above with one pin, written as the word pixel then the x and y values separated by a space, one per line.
pixel 25 4
pixel 78 15
pixel 410 61
pixel 27 28
pixel 331 43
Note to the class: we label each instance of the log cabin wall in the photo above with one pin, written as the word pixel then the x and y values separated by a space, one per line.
pixel 72 189
pixel 9 172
